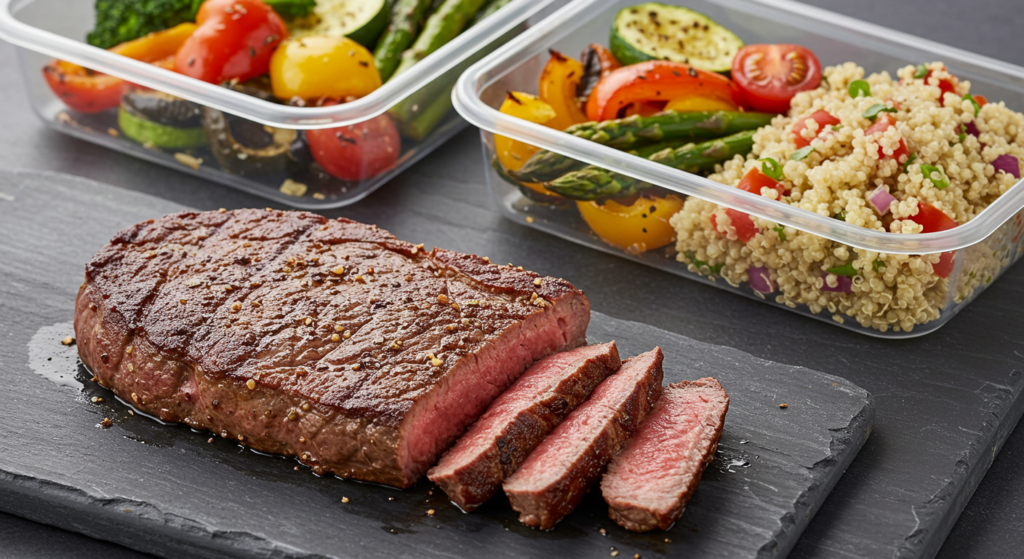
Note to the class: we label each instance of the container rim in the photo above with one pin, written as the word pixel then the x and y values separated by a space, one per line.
pixel 467 101
pixel 264 112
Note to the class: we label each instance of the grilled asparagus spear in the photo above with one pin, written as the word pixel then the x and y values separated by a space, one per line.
pixel 595 183
pixel 450 18
pixel 624 133
pixel 406 18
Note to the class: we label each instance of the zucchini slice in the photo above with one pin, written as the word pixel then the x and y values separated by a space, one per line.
pixel 160 120
pixel 655 31
pixel 360 20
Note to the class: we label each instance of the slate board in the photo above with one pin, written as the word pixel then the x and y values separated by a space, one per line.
pixel 167 491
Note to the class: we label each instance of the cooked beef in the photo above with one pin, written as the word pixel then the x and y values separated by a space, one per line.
pixel 330 340
pixel 555 477
pixel 498 443
pixel 649 483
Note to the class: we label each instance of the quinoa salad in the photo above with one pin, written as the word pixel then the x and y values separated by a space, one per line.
pixel 912 154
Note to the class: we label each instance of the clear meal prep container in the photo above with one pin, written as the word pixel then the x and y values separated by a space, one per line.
pixel 985 246
pixel 418 100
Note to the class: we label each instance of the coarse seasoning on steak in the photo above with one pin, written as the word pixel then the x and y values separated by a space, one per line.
pixel 330 340
pixel 648 484
pixel 518 420
pixel 559 472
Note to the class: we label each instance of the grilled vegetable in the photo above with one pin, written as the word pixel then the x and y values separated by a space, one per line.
pixel 654 82
pixel 598 62
pixel 488 10
pixel 292 8
pixel 630 132
pixel 359 151
pixel 120 21
pixel 315 67
pixel 450 18
pixel 406 18
pixel 360 20
pixel 637 227
pixel 249 148
pixel 655 31
pixel 595 183
pixel 234 40
pixel 558 83
pixel 157 119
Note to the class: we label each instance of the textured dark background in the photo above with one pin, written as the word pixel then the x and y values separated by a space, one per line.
pixel 992 525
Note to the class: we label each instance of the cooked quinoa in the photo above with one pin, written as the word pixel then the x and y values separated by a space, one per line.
pixel 889 291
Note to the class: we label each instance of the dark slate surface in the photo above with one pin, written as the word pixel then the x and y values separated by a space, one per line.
pixel 166 490
pixel 872 512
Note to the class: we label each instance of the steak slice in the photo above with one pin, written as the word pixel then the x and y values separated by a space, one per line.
pixel 330 340
pixel 555 477
pixel 498 443
pixel 649 483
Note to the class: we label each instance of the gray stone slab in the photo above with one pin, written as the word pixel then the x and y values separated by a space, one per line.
pixel 165 490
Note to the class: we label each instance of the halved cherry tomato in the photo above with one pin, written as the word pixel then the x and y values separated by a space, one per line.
pixel 358 151
pixel 512 154
pixel 945 86
pixel 931 220
pixel 655 81
pixel 883 123
pixel 981 100
pixel 755 180
pixel 87 91
pixel 742 222
pixel 558 84
pixel 235 39
pixel 637 227
pixel 823 119
pixel 321 66
pixel 770 75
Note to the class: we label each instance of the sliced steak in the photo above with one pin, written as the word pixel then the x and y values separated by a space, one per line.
pixel 555 477
pixel 330 340
pixel 498 443
pixel 649 483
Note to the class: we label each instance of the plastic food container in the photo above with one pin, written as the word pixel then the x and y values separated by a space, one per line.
pixel 418 101
pixel 985 246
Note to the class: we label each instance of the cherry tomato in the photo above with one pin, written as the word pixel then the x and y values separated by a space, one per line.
pixel 235 39
pixel 944 266
pixel 932 219
pixel 770 75
pixel 358 151
pixel 637 227
pixel 821 117
pixel 883 123
pixel 655 81
pixel 755 180
pixel 981 100
pixel 321 66
pixel 742 222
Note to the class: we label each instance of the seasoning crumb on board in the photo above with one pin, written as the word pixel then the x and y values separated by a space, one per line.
pixel 430 512
pixel 344 499
pixel 106 423
pixel 68 340
pixel 293 188
pixel 97 400
pixel 783 405
pixel 190 161
pixel 210 440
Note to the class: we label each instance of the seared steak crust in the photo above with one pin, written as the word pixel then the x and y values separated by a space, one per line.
pixel 331 340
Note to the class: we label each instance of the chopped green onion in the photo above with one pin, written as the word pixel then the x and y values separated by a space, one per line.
pixel 801 154
pixel 929 170
pixel 841 216
pixel 860 88
pixel 781 231
pixel 771 168
pixel 692 257
pixel 921 72
pixel 836 127
pixel 844 270
pixel 977 107
pixel 872 112
pixel 877 264
pixel 910 159
pixel 963 134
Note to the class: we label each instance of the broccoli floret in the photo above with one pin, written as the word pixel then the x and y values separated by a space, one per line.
pixel 118 21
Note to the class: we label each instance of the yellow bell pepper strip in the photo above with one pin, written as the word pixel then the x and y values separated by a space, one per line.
pixel 557 88
pixel 512 154
pixel 637 227
pixel 89 92
pixel 700 104
pixel 317 67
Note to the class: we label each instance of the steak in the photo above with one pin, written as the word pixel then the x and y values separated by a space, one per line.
pixel 498 443
pixel 555 477
pixel 329 340
pixel 649 483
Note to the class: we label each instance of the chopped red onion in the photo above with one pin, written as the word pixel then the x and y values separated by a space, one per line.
pixel 1008 164
pixel 760 279
pixel 843 284
pixel 972 129
pixel 880 200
